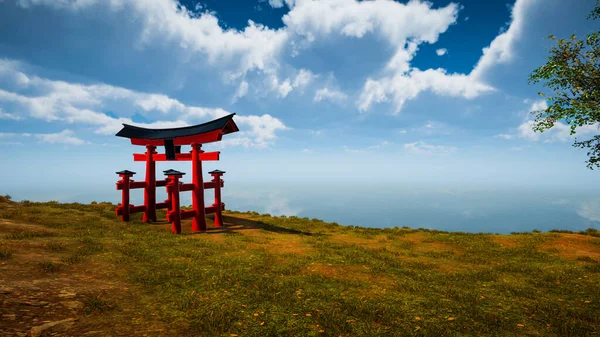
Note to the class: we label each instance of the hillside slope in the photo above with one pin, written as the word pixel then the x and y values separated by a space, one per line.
pixel 75 270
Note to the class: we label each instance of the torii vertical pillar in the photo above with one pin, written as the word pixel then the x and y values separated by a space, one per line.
pixel 199 221
pixel 150 189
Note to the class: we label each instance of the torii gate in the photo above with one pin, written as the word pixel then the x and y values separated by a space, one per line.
pixel 172 139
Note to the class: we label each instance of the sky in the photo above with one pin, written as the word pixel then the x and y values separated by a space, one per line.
pixel 333 91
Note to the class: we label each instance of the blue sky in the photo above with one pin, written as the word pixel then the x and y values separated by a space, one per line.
pixel 325 91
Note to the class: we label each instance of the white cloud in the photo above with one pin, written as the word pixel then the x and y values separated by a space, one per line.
pixel 424 148
pixel 302 78
pixel 406 83
pixel 362 150
pixel 501 50
pixel 560 132
pixel 541 104
pixel 307 151
pixel 64 137
pixel 441 51
pixel 5 115
pixel 12 134
pixel 402 87
pixel 276 3
pixel 262 131
pixel 332 95
pixel 504 136
pixel 77 103
pixel 256 47
pixel 241 91
pixel 590 210
pixel 260 49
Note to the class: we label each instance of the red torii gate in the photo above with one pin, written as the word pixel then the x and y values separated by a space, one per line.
pixel 172 139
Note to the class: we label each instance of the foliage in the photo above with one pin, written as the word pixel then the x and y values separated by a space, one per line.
pixel 573 73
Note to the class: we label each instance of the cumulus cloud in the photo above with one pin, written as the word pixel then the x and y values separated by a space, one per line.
pixel 406 83
pixel 257 48
pixel 5 115
pixel 241 91
pixel 64 137
pixel 82 104
pixel 276 3
pixel 504 136
pixel 302 78
pixel 424 148
pixel 402 87
pixel 560 132
pixel 198 36
pixel 441 51
pixel 589 210
pixel 501 50
pixel 332 95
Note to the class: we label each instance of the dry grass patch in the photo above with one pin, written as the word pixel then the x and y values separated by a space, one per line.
pixel 350 273
pixel 506 241
pixel 573 246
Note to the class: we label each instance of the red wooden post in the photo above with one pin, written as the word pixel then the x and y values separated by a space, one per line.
pixel 150 189
pixel 174 215
pixel 199 221
pixel 124 182
pixel 216 174
pixel 168 201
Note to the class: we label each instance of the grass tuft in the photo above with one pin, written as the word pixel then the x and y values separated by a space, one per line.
pixel 49 267
pixel 5 254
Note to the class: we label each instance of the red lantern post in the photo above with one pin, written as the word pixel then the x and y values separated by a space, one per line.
pixel 174 215
pixel 218 183
pixel 124 185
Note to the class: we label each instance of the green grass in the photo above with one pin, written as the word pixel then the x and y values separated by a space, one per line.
pixel 286 276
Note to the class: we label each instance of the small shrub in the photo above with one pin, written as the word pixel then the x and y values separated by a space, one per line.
pixel 5 254
pixel 97 304
pixel 26 235
pixel 49 267
pixel 55 246
pixel 586 259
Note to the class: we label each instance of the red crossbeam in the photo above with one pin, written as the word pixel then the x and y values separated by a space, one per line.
pixel 162 205
pixel 132 209
pixel 188 214
pixel 132 185
pixel 186 187
pixel 205 156
pixel 213 208
pixel 208 137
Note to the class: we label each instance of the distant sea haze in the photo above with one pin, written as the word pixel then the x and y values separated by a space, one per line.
pixel 449 208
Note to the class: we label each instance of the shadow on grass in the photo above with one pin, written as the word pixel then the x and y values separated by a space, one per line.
pixel 232 224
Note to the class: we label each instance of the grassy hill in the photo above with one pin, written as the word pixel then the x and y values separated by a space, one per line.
pixel 76 270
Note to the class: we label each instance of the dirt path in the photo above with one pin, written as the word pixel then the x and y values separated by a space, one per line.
pixel 42 296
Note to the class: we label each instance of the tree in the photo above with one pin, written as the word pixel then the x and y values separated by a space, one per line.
pixel 573 73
